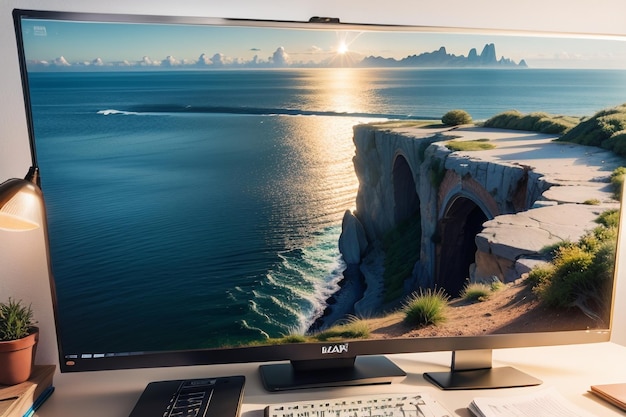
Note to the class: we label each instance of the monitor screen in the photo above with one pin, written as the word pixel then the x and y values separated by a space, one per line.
pixel 226 191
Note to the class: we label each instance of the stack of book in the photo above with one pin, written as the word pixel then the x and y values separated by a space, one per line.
pixel 22 400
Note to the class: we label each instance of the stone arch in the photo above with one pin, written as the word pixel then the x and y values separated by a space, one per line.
pixel 462 220
pixel 406 200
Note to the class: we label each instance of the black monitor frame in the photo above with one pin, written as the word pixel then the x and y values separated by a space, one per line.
pixel 361 353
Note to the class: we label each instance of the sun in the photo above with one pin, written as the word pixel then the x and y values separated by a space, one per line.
pixel 342 48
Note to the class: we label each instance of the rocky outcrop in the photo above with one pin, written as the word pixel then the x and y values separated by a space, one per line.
pixel 507 240
pixel 352 241
pixel 530 190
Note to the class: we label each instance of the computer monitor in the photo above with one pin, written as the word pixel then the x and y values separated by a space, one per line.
pixel 322 193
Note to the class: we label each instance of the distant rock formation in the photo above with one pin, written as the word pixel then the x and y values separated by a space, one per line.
pixel 441 58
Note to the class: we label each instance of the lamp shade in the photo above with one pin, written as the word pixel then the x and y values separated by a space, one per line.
pixel 21 205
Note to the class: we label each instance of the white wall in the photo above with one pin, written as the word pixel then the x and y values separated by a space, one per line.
pixel 23 264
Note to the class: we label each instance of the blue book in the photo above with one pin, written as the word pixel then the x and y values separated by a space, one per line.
pixel 39 401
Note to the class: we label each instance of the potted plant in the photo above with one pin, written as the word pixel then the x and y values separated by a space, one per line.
pixel 18 342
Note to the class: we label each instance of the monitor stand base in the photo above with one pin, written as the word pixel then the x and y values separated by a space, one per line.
pixel 502 377
pixel 471 369
pixel 363 370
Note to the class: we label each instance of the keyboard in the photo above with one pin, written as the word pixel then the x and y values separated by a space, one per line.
pixel 381 405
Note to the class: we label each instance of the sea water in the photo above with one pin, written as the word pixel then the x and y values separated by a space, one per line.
pixel 196 209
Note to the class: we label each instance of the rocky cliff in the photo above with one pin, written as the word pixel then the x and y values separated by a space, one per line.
pixel 524 207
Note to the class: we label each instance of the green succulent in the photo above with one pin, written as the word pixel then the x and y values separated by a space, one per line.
pixel 16 320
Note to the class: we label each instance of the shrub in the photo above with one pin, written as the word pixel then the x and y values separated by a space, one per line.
pixel 571 264
pixel 592 202
pixel 476 291
pixel 617 181
pixel 426 307
pixel 534 122
pixel 581 273
pixel 540 275
pixel 605 129
pixel 609 218
pixel 456 117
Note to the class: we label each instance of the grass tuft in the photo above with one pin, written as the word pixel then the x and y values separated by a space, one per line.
pixel 426 307
pixel 477 291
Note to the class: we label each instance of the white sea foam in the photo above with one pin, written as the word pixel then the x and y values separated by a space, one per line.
pixel 245 325
pixel 109 112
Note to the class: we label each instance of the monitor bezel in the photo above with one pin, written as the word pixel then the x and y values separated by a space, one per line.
pixel 313 350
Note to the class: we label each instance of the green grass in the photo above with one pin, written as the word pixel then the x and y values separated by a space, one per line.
pixel 476 291
pixel 534 122
pixel 426 307
pixel 470 145
pixel 605 129
pixel 353 328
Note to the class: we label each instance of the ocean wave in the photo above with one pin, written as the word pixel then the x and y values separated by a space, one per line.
pixel 109 112
pixel 252 111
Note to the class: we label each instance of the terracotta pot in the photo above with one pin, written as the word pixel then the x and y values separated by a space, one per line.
pixel 17 358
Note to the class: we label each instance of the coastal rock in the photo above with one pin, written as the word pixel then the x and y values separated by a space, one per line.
pixel 524 199
pixel 507 238
pixel 352 242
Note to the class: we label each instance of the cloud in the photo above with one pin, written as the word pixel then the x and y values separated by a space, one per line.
pixel 203 60
pixel 146 61
pixel 280 57
pixel 97 62
pixel 169 61
pixel 255 49
pixel 218 60
pixel 61 62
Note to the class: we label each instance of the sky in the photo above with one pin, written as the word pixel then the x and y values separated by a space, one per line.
pixel 66 44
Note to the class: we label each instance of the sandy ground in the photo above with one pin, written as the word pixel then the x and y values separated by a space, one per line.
pixel 513 309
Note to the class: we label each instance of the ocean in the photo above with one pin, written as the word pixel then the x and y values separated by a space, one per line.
pixel 196 209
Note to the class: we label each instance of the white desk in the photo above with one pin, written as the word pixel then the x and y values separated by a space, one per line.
pixel 571 369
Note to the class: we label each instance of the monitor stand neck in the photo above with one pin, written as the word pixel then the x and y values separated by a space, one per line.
pixel 362 370
pixel 472 369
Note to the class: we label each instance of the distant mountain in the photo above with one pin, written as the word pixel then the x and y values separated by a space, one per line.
pixel 441 58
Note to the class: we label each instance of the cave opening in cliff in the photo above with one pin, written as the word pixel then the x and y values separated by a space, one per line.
pixel 458 228
pixel 406 200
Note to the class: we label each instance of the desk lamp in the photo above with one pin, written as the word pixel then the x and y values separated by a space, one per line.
pixel 21 203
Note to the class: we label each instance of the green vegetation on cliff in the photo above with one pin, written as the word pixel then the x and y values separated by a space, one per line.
pixel 606 129
pixel 402 251
pixel 581 273
pixel 470 145
pixel 456 117
pixel 534 122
